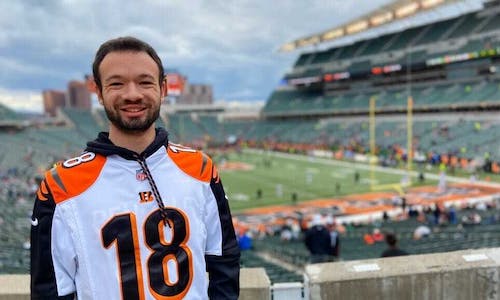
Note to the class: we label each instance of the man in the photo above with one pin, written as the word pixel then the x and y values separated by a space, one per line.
pixel 317 241
pixel 134 216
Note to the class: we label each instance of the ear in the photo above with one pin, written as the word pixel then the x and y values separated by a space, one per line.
pixel 164 91
pixel 99 96
pixel 91 85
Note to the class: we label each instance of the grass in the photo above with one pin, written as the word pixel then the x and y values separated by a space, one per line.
pixel 309 178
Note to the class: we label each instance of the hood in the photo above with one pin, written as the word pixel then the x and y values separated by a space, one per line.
pixel 103 145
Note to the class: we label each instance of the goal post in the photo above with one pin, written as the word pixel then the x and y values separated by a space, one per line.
pixel 399 186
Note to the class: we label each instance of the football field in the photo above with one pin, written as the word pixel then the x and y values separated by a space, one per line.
pixel 278 176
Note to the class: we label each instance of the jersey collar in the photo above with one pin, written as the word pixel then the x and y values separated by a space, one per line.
pixel 103 145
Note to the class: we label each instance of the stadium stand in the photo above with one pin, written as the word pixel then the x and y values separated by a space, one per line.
pixel 449 68
pixel 85 123
pixel 472 36
pixel 7 114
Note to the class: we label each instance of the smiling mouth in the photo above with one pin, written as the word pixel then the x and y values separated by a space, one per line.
pixel 134 112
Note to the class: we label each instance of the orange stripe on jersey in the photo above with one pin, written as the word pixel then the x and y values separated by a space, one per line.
pixel 74 176
pixel 194 163
pixel 42 192
pixel 215 175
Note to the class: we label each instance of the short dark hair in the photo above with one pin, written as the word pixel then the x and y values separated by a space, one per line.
pixel 126 43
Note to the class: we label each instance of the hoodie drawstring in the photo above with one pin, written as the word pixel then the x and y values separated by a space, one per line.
pixel 156 193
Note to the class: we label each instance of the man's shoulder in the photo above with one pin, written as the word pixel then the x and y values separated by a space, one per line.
pixel 73 176
pixel 193 162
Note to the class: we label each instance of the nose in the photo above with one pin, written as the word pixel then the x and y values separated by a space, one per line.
pixel 132 92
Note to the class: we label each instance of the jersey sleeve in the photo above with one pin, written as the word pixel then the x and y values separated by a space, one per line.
pixel 223 269
pixel 43 277
pixel 63 256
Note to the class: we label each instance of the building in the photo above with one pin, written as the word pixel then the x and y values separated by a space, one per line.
pixel 52 100
pixel 79 95
pixel 196 94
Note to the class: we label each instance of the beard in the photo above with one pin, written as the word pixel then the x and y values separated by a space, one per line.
pixel 133 125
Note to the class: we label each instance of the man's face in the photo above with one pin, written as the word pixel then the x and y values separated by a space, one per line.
pixel 131 93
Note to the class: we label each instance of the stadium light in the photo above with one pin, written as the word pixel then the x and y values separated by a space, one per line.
pixel 333 34
pixel 288 47
pixel 426 4
pixel 387 14
pixel 407 10
pixel 357 26
pixel 382 18
pixel 308 41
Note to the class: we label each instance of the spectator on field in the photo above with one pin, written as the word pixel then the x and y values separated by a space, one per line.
pixel 393 249
pixel 259 193
pixel 294 198
pixel 317 241
pixel 337 188
pixel 421 177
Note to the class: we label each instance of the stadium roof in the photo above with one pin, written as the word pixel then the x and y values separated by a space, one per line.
pixel 398 10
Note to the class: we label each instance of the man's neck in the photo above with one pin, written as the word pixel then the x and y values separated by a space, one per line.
pixel 134 141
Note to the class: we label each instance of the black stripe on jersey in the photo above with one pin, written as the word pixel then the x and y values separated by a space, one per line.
pixel 203 163
pixel 224 271
pixel 57 179
pixel 43 281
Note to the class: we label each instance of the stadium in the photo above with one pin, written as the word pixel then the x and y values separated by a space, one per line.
pixel 379 123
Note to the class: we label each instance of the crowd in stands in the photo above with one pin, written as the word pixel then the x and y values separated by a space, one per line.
pixel 304 239
pixel 389 156
pixel 17 190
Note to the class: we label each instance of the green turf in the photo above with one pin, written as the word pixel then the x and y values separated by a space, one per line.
pixel 291 173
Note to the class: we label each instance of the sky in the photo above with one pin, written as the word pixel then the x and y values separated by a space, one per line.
pixel 231 45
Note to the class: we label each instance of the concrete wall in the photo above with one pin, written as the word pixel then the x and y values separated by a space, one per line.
pixel 254 284
pixel 14 287
pixel 470 274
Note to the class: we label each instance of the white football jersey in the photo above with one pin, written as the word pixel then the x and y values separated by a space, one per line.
pixel 108 239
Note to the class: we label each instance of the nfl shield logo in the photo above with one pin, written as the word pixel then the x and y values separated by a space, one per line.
pixel 140 175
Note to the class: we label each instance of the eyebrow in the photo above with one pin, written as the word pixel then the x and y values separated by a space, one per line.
pixel 141 76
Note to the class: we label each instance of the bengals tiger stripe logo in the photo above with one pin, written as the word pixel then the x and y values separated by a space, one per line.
pixel 145 197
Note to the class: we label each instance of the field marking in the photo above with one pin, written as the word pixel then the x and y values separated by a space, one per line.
pixel 312 170
pixel 240 197
pixel 362 166
pixel 338 175
pixel 346 171
pixel 287 188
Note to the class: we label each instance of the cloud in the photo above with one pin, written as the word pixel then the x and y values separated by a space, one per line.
pixel 21 100
pixel 229 44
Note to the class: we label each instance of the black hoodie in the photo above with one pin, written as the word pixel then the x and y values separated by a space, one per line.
pixel 103 145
